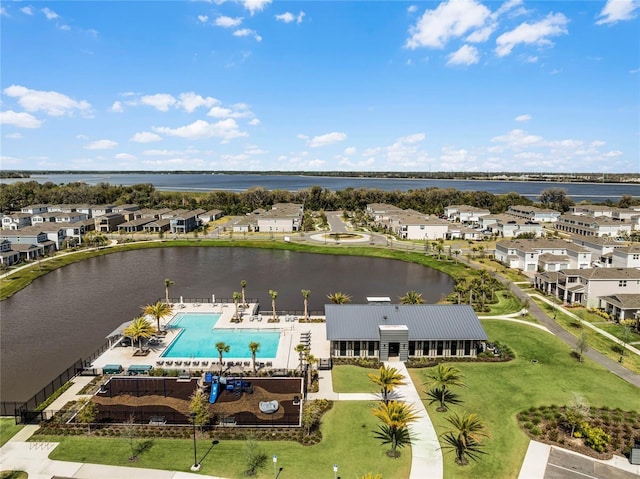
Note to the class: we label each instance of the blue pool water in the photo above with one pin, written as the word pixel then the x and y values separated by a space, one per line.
pixel 198 339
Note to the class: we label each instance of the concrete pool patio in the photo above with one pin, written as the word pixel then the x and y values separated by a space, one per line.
pixel 291 332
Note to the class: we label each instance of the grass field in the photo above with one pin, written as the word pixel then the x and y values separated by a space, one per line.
pixel 498 391
pixel 352 379
pixel 596 341
pixel 347 441
pixel 8 429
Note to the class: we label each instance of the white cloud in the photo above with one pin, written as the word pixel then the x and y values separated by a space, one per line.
pixel 125 156
pixel 255 5
pixel 634 71
pixel 117 107
pixel 200 129
pixel 50 14
pixel 618 10
pixel 160 101
pixel 518 139
pixel 203 18
pixel 3 12
pixel 227 22
pixel 525 117
pixel 13 136
pixel 19 119
pixel 612 154
pixel 189 101
pixel 537 33
pixel 247 32
pixel 254 122
pixel 451 19
pixel 598 143
pixel 145 137
pixel 324 140
pixel 531 59
pixel 51 102
pixel 465 55
pixel 101 145
pixel 288 17
pixel 66 28
pixel 27 10
pixel 350 151
pixel 482 34
pixel 412 9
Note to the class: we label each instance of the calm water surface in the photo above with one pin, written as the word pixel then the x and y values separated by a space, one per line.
pixel 67 314
pixel 595 192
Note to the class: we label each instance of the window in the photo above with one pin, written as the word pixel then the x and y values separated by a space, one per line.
pixel 372 348
pixel 454 348
pixel 622 284
pixel 636 256
pixel 425 348
pixel 412 348
pixel 356 348
pixel 343 348
pixel 467 348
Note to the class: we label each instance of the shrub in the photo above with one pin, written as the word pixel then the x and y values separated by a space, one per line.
pixel 594 437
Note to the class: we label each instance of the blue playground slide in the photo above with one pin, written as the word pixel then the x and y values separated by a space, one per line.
pixel 215 389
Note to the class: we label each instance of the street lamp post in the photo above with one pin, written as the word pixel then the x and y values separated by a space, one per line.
pixel 335 471
pixel 275 463
pixel 196 465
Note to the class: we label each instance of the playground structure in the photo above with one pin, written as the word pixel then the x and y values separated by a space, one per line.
pixel 217 383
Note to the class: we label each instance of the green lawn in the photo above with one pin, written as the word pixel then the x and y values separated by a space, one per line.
pixel 596 341
pixel 352 379
pixel 507 304
pixel 348 441
pixel 8 429
pixel 498 391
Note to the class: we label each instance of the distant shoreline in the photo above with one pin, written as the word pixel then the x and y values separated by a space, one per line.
pixel 515 177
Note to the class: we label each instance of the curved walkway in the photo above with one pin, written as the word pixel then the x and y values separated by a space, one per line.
pixel 511 317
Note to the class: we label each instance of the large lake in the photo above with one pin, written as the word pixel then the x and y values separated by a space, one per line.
pixel 595 192
pixel 66 314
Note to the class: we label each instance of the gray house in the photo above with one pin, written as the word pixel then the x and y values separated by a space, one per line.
pixel 388 331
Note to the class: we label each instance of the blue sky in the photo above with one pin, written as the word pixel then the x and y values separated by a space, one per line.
pixel 459 85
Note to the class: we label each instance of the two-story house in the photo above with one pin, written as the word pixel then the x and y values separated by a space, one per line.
pixel 542 254
pixel 281 218
pixel 586 286
pixel 533 213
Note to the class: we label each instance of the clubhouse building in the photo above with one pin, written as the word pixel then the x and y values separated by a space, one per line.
pixel 399 331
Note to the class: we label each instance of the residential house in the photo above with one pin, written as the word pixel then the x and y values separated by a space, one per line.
pixel 387 331
pixel 542 254
pixel 412 225
pixel 15 221
pixel 135 225
pixel 465 214
pixel 8 257
pixel 586 286
pixel 592 226
pixel 532 213
pixel 30 241
pixel 601 248
pixel 281 218
pixel 35 209
pixel 127 211
pixel 621 306
pixel 626 257
pixel 108 222
pixel 184 223
pixel 380 212
pixel 209 216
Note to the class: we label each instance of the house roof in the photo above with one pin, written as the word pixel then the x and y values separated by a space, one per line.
pixel 425 321
pixel 623 301
pixel 604 273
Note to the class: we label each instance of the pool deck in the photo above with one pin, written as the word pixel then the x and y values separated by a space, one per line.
pixel 286 357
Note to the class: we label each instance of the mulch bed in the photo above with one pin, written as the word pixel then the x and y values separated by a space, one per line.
pixel 168 398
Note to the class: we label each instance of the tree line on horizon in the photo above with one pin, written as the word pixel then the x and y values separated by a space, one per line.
pixel 17 195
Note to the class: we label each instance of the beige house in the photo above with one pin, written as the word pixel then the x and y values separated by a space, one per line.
pixel 281 218
pixel 592 226
pixel 587 286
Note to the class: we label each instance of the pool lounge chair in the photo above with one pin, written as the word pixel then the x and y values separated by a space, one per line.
pixel 205 363
pixel 160 362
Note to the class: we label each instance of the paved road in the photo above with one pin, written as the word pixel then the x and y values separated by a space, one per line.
pixel 564 465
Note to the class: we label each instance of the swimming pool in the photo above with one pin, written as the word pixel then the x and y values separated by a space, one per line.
pixel 198 339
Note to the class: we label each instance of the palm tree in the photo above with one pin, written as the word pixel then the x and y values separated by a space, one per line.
pixel 167 284
pixel 464 438
pixel 371 475
pixel 460 288
pixel 442 378
pixel 222 347
pixel 456 253
pixel 387 379
pixel 274 295
pixel 243 284
pixel 395 417
pixel 254 348
pixel 305 295
pixel 158 310
pixel 412 297
pixel 236 297
pixel 339 298
pixel 139 329
pixel 301 349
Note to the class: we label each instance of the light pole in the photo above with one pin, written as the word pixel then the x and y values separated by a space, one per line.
pixel 275 463
pixel 335 471
pixel 196 465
